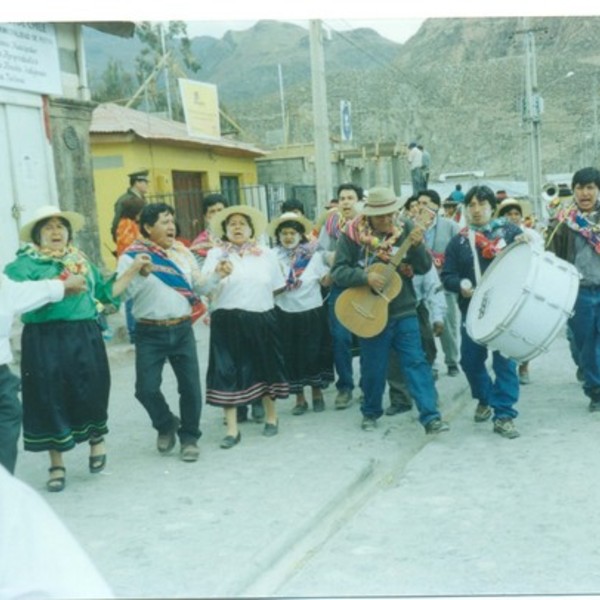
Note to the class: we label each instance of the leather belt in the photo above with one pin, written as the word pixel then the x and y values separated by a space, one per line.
pixel 163 322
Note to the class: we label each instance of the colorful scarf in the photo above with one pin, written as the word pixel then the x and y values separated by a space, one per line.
pixel 360 231
pixel 334 224
pixel 579 223
pixel 169 273
pixel 72 260
pixel 489 247
pixel 203 243
pixel 299 258
pixel 251 248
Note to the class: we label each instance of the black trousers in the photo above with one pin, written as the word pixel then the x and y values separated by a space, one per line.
pixel 154 345
pixel 11 415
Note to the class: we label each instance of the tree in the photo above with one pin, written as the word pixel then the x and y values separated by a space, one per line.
pixel 165 47
pixel 115 85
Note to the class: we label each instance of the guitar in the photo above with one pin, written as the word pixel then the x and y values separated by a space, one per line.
pixel 363 310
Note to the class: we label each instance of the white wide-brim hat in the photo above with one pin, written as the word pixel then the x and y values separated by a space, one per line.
pixel 259 220
pixel 46 212
pixel 286 217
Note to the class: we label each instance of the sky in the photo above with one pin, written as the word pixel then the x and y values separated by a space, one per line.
pixel 394 20
pixel 396 30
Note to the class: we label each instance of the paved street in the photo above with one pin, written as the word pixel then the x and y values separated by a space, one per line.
pixel 325 509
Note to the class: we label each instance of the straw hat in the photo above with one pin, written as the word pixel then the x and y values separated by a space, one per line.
pixel 259 221
pixel 289 216
pixel 508 204
pixel 47 211
pixel 381 201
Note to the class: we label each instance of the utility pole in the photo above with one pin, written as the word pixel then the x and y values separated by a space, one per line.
pixel 532 115
pixel 320 120
pixel 282 99
pixel 166 73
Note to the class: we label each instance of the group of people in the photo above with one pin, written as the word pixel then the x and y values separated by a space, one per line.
pixel 278 321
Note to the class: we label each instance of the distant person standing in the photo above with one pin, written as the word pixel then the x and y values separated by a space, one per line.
pixel 138 187
pixel 348 197
pixel 457 195
pixel 426 159
pixel 415 164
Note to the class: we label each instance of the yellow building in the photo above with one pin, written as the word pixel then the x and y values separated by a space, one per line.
pixel 182 168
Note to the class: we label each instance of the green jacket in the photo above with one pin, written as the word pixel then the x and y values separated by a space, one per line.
pixel 77 307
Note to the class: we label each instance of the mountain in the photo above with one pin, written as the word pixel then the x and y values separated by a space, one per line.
pixel 457 86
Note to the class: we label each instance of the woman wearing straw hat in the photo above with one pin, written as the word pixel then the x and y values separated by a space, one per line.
pixel 64 367
pixel 245 359
pixel 303 320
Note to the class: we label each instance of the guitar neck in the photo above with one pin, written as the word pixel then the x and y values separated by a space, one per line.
pixel 404 247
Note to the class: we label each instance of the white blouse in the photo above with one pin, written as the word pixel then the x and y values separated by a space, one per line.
pixel 250 285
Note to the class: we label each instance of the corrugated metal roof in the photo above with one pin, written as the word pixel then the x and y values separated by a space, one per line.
pixel 114 119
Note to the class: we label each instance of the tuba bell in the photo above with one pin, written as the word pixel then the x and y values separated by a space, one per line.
pixel 550 191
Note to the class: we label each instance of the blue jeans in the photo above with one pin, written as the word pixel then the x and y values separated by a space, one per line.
pixel 130 320
pixel 501 394
pixel 342 346
pixel 11 415
pixel 585 326
pixel 404 337
pixel 154 345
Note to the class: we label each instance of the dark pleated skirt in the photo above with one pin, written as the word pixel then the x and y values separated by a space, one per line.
pixel 65 382
pixel 245 360
pixel 307 348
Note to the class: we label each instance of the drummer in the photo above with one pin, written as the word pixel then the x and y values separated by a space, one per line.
pixel 470 251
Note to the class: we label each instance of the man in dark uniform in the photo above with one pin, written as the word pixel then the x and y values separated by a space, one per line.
pixel 138 186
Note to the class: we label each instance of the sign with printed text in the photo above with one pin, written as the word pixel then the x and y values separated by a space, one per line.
pixel 29 58
pixel 201 108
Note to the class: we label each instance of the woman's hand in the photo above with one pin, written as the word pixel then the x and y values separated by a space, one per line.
pixel 224 268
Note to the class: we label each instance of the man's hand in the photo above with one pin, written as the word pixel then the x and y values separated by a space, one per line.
pixel 438 328
pixel 142 263
pixel 416 236
pixel 376 281
pixel 74 284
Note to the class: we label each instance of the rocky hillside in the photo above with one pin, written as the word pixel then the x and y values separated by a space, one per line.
pixel 455 86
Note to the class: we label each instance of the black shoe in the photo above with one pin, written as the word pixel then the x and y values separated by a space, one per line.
pixel 594 406
pixel 453 371
pixel 166 441
pixel 396 409
pixel 57 484
pixel 98 461
pixel 270 430
pixel 300 408
pixel 229 441
pixel 318 405
pixel 436 426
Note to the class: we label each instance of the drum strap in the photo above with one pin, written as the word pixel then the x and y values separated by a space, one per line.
pixel 476 265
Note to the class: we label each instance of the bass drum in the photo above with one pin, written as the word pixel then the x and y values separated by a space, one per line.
pixel 522 301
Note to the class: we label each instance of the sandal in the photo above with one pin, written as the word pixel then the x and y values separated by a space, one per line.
pixel 56 484
pixel 97 461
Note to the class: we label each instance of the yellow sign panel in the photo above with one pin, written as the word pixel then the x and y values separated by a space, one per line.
pixel 201 108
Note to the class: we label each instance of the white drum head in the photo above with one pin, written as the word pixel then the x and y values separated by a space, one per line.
pixel 499 290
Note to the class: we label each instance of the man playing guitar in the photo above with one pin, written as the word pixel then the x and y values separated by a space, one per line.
pixel 368 253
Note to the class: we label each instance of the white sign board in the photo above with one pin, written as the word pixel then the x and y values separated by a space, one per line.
pixel 29 58
pixel 346 120
pixel 201 108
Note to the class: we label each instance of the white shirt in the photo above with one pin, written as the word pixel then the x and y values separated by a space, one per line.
pixel 39 558
pixel 308 295
pixel 428 287
pixel 19 297
pixel 251 283
pixel 415 158
pixel 155 300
